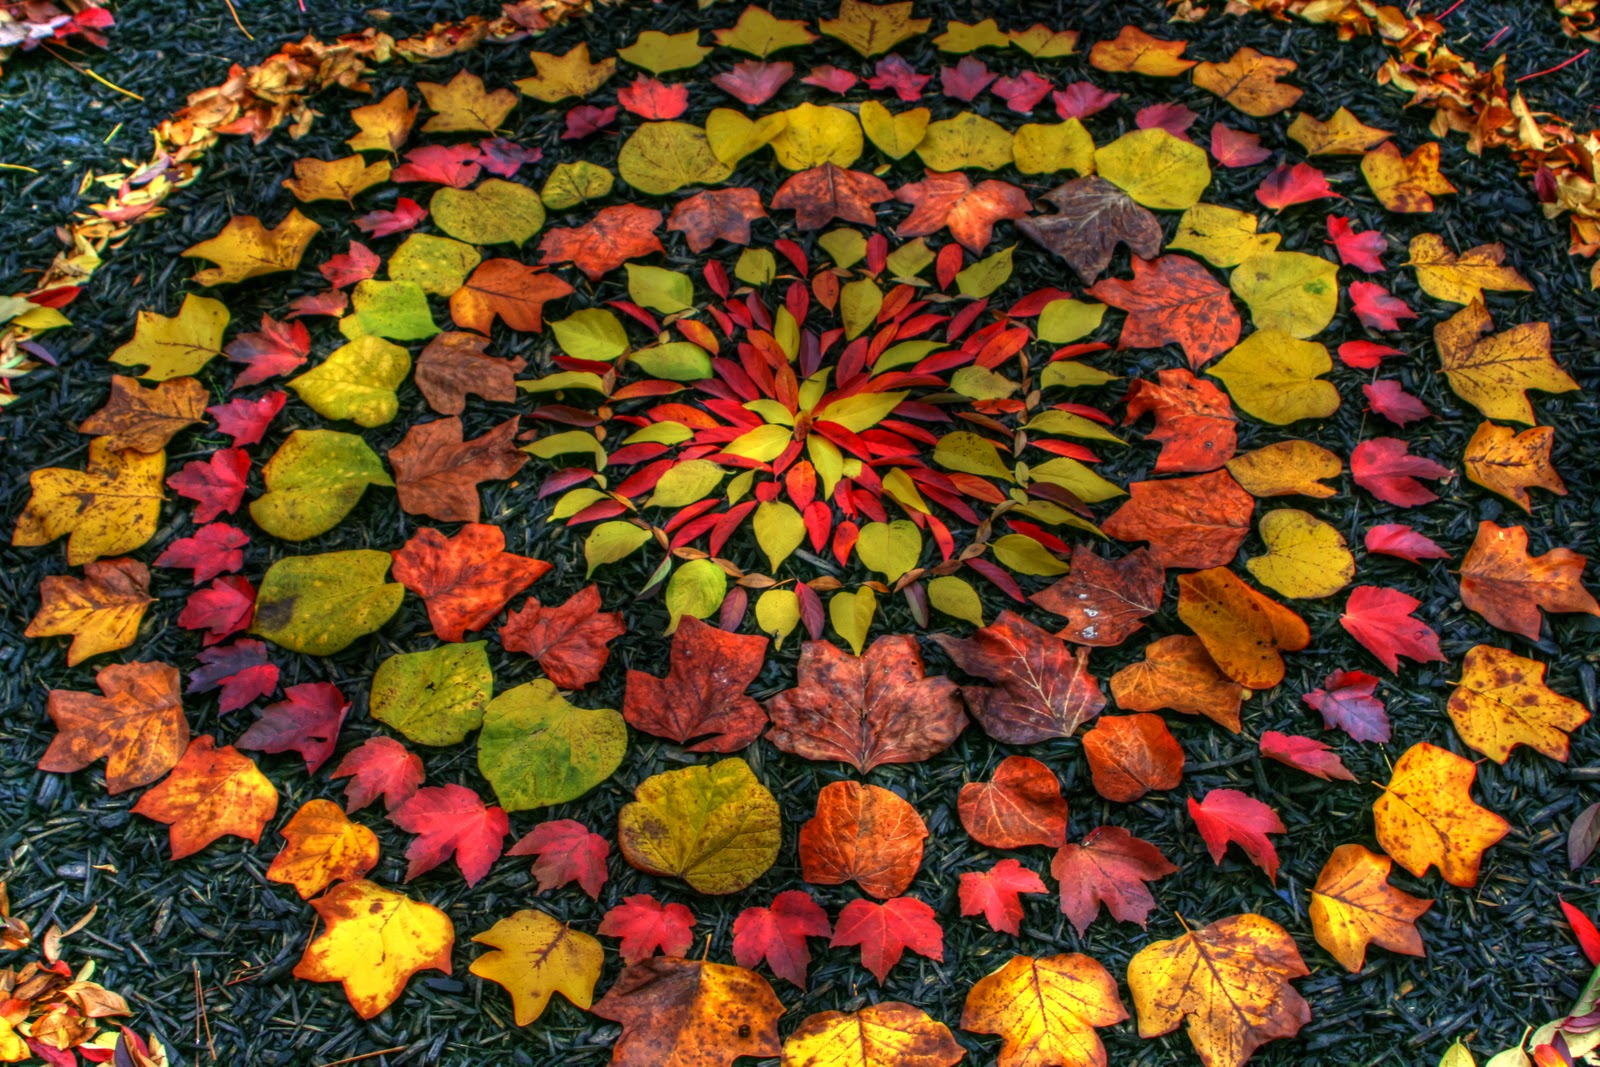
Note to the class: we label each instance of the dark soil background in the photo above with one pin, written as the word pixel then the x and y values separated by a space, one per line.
pixel 1498 956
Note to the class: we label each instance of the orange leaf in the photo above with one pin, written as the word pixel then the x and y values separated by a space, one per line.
pixel 614 236
pixel 1177 673
pixel 1286 468
pixel 1243 631
pixel 464 580
pixel 436 473
pixel 1353 906
pixel 1507 586
pixel 1020 805
pixel 689 1011
pixel 1197 521
pixel 1510 463
pixel 702 699
pixel 1426 816
pixel 569 641
pixel 101 611
pixel 724 214
pixel 1042 689
pixel 1405 184
pixel 1045 1010
pixel 1110 867
pixel 1502 702
pixel 211 793
pixel 322 846
pixel 1194 420
pixel 1249 81
pixel 970 211
pixel 1105 600
pixel 1133 51
pixel 138 725
pixel 514 291
pixel 146 419
pixel 1129 755
pixel 862 834
pixel 822 194
pixel 1173 300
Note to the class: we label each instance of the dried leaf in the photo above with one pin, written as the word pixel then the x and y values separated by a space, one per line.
pixel 1426 816
pixel 1507 586
pixel 1020 805
pixel 1353 906
pixel 862 834
pixel 1045 1010
pixel 1502 702
pixel 137 725
pixel 212 792
pixel 1040 687
pixel 101 611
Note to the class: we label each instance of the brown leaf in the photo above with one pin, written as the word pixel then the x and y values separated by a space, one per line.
pixel 1041 689
pixel 1091 218
pixel 1507 586
pixel 100 611
pixel 822 194
pixel 690 1012
pixel 144 420
pixel 1510 463
pixel 862 834
pixel 138 725
pixel 512 290
pixel 455 364
pixel 436 473
pixel 702 698
pixel 1104 600
pixel 1178 674
pixel 1193 522
pixel 1249 81
pixel 1129 755
pixel 714 214
pixel 1021 805
pixel 569 641
pixel 614 236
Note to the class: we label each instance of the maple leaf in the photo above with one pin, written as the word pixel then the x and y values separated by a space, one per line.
pixel 1353 906
pixel 537 955
pixel 964 81
pixel 1249 81
pixel 1230 978
pixel 1195 522
pixel 1173 299
pixel 654 100
pixel 646 926
pixel 874 1036
pixel 464 580
pixel 1233 148
pixel 674 1010
pixel 146 419
pixel 246 249
pixel 1090 218
pixel 951 201
pixel 565 851
pixel 1304 754
pixel 569 641
pixel 246 419
pixel 1023 92
pixel 454 365
pixel 1363 250
pixel 1426 816
pixel 1174 118
pixel 752 82
pixel 1376 307
pixel 1507 586
pixel 463 104
pixel 864 834
pixel 1290 185
pixel 1402 542
pixel 373 941
pixel 716 214
pixel 1113 868
pixel 1082 99
pixel 224 607
pixel 1403 183
pixel 106 510
pixel 508 289
pixel 451 819
pixel 1384 467
pixel 827 192
pixel 322 846
pixel 277 348
pixel 1502 702
pixel 1381 620
pixel 703 694
pixel 1041 688
pixel 212 792
pixel 1389 399
pixel 614 236
pixel 884 932
pixel 777 934
pixel 1225 815
pixel 100 611
pixel 216 484
pixel 242 671
pixel 379 766
pixel 1510 463
pixel 867 710
pixel 137 725
pixel 1349 702
pixel 346 268
pixel 1045 1010
pixel 307 721
pixel 1020 805
pixel 1134 51
pixel 1462 279
pixel 995 894
pixel 1493 372
pixel 407 214
pixel 1341 134
pixel 1129 755
pixel 436 472
pixel 1104 600
pixel 1194 421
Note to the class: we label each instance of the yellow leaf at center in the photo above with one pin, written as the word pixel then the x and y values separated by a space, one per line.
pixel 1353 905
pixel 375 940
pixel 536 956
pixel 1288 291
pixel 322 846
pixel 176 346
pixel 1276 378
pixel 716 827
pixel 889 1034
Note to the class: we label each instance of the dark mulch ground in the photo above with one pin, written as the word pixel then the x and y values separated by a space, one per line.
pixel 1497 958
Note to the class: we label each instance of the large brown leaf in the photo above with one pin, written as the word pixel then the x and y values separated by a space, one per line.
pixel 436 473
pixel 455 364
pixel 146 419
pixel 138 725
pixel 1040 688
pixel 1091 218
pixel 822 194
pixel 702 698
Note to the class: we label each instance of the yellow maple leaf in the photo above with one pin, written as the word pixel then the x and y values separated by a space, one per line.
pixel 1045 1010
pixel 1426 816
pixel 1341 135
pixel 660 52
pixel 1405 184
pixel 108 509
pixel 385 126
pixel 1502 702
pixel 100 611
pixel 247 249
pixel 536 956
pixel 335 179
pixel 375 940
pixel 463 104
pixel 176 346
pixel 872 29
pixel 1249 81
pixel 1510 463
pixel 571 74
pixel 760 33
pixel 1462 279
pixel 1494 371
pixel 1353 906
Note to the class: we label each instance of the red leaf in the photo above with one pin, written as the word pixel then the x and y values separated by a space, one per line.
pixel 646 926
pixel 1380 619
pixel 1104 600
pixel 703 694
pixel 246 421
pixel 276 348
pixel 964 81
pixel 995 894
pixel 1082 99
pixel 1174 118
pixel 822 194
pixel 586 120
pixel 1363 250
pixel 1020 805
pixel 653 100
pixel 217 483
pixel 1389 398
pixel 356 265
pixel 242 671
pixel 1129 755
pixel 1298 184
pixel 1022 93
pixel 1582 928
pixel 1173 300
pixel 1377 308
pixel 333 302
pixel 884 931
pixel 1111 867
pixel 209 551
pixel 1194 420
pixel 451 819
pixel 1304 754
pixel 1233 148
pixel 1385 467
pixel 778 935
pixel 454 165
pixel 565 852
pixel 1348 702
pixel 406 215
pixel 951 200
pixel 614 236
pixel 505 158
pixel 830 78
pixel 893 72
pixel 307 722
pixel 1396 539
pixel 754 82
pixel 224 607
pixel 1226 815
pixel 1364 355
pixel 379 766
pixel 464 580
pixel 1041 689
pixel 569 641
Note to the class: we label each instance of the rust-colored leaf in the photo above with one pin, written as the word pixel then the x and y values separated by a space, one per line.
pixel 1197 521
pixel 821 194
pixel 716 214
pixel 1507 586
pixel 1091 218
pixel 464 580
pixel 1502 702
pixel 1040 688
pixel 702 699
pixel 145 419
pixel 322 846
pixel 1020 805
pixel 1177 673
pixel 137 725
pixel 1194 421
pixel 675 1011
pixel 1249 81
pixel 436 472
pixel 614 236
pixel 569 641
pixel 1173 300
pixel 508 289
pixel 1113 868
pixel 1129 755
pixel 211 793
pixel 862 834
pixel 455 364
pixel 950 200
pixel 1105 600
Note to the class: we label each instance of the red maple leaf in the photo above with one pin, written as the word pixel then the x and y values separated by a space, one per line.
pixel 1105 600
pixel 307 721
pixel 242 671
pixel 614 236
pixel 884 932
pixel 778 935
pixel 1227 815
pixel 822 194
pixel 586 120
pixel 1173 300
pixel 505 157
pixel 1233 148
pixel 969 211
pixel 379 766
pixel 653 99
pixel 1348 700
pixel 1363 250
pixel 830 78
pixel 1305 754
pixel 246 420
pixel 276 348
pixel 893 72
pixel 332 302
pixel 355 265
pixel 453 165
pixel 1041 689
pixel 1385 467
pixel 406 215
pixel 451 819
pixel 646 926
pixel 1377 308
pixel 1194 420
pixel 1380 619
pixel 1298 184
pixel 1401 541
pixel 754 82
pixel 464 580
pixel 1022 93
pixel 565 852
pixel 716 214
pixel 224 607
pixel 209 551
pixel 964 81
pixel 1389 398
pixel 1110 867
pixel 702 698
pixel 569 641
pixel 217 484
pixel 1082 99
pixel 996 894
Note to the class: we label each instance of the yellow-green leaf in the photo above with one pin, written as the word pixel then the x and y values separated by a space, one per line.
pixel 434 697
pixel 493 212
pixel 570 184
pixel 536 749
pixel 716 827
pixel 313 481
pixel 956 598
pixel 1155 168
pixel 779 530
pixel 890 548
pixel 591 334
pixel 697 588
pixel 659 289
pixel 319 605
pixel 662 157
pixel 438 264
pixel 777 614
pixel 685 483
pixel 356 382
pixel 612 541
pixel 1288 291
pixel 1045 148
pixel 395 310
pixel 178 346
pixel 851 615
pixel 1275 378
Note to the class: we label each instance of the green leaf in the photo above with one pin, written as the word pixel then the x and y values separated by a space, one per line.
pixel 1068 424
pixel 357 382
pixel 851 615
pixel 592 334
pixel 537 749
pixel 659 289
pixel 859 304
pixel 756 266
pixel 685 483
pixel 495 212
pixel 1065 321
pixel 890 548
pixel 1070 374
pixel 662 157
pixel 612 541
pixel 396 310
pixel 321 604
pixel 969 453
pixel 435 697
pixel 845 247
pixel 779 530
pixel 676 361
pixel 956 598
pixel 438 264
pixel 697 588
pixel 570 184
pixel 313 481
pixel 986 275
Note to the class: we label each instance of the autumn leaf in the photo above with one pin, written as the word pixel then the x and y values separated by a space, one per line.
pixel 145 419
pixel 1462 279
pixel 884 932
pixel 455 365
pixel 211 793
pixel 994 894
pixel 217 483
pixel 1502 702
pixel 379 766
pixel 1304 754
pixel 1129 755
pixel 702 698
pixel 1306 558
pixel 1194 421
pixel 1426 816
pixel 451 820
pixel 313 481
pixel 820 194
pixel 716 214
pixel 1191 522
pixel 969 211
pixel 646 926
pixel 564 851
pixel 1286 468
pixel 716 827
pixel 137 725
pixel 1179 674
pixel 246 249
pixel 778 935
pixel 1510 463
pixel 335 179
pixel 1133 51
pixel 107 509
pixel 1349 702
pixel 888 1034
pixel 1507 586
pixel 537 749
pixel 1091 217
pixel 306 721
pixel 570 641
pixel 866 710
pixel 1045 1010
pixel 509 290
pixel 690 1011
pixel 322 846
pixel 872 29
pixel 1249 81
pixel 437 472
pixel 436 696
pixel 1493 371
pixel 374 940
pixel 1020 805
pixel 1405 184
pixel 1380 618
pixel 614 236
pixel 1103 600
pixel 464 580
pixel 241 671
pixel 464 105
pixel 1227 815
pixel 1244 631
pixel 100 611
pixel 179 345
pixel 863 834
pixel 535 956
pixel 1113 868
pixel 572 74
pixel 385 126
pixel 1040 688
pixel 1354 906
pixel 321 604
pixel 1231 979
pixel 1173 300
pixel 1341 135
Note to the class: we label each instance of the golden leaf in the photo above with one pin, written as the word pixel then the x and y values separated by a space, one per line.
pixel 322 846
pixel 872 29
pixel 462 105
pixel 1510 463
pixel 246 249
pixel 108 509
pixel 375 940
pixel 1494 371
pixel 1502 702
pixel 1426 816
pixel 337 179
pixel 1353 906
pixel 537 956
pixel 1045 1010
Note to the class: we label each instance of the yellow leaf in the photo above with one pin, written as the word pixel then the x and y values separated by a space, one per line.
pixel 1353 905
pixel 1291 292
pixel 988 274
pixel 246 249
pixel 716 827
pixel 968 453
pixel 813 135
pixel 779 530
pixel 338 179
pixel 732 136
pixel 1249 81
pixel 1275 378
pixel 109 509
pixel 438 264
pixel 895 135
pixel 889 1034
pixel 1221 236
pixel 1070 424
pixel 1510 463
pixel 1286 468
pixel 178 346
pixel 697 588
pixel 494 212
pixel 536 956
pixel 313 481
pixel 1045 1010
pixel 660 52
pixel 1426 816
pixel 1342 135
pixel 1155 168
pixel 385 126
pixel 859 304
pixel 662 157
pixel 1021 554
pixel 375 940
pixel 777 614
pixel 1502 702
pixel 322 846
pixel 1405 184
pixel 612 541
pixel 1462 279
pixel 756 266
pixel 851 615
pixel 861 412
pixel 760 33
pixel 1457 1055
pixel 559 77
pixel 1306 558
pixel 1076 478
pixel 1133 51
pixel 1494 371
pixel 890 548
pixel 462 105
pixel 967 141
pixel 960 38
pixel 659 289
pixel 100 611
pixel 685 483
pixel 1064 321
pixel 956 598
pixel 570 184
pixel 1042 42
pixel 1045 148
pixel 872 29
pixel 357 382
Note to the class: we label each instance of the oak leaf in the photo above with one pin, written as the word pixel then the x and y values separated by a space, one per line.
pixel 1244 631
pixel 436 472
pixel 950 200
pixel 863 834
pixel 212 792
pixel 1178 673
pixel 1227 815
pixel 716 214
pixel 884 931
pixel 1462 279
pixel 1510 463
pixel 100 611
pixel 1380 618
pixel 1502 702
pixel 1354 906
pixel 866 710
pixel 702 699
pixel 888 1034
pixel 1129 755
pixel 464 580
pixel 1090 218
pixel 536 956
pixel 145 419
pixel 778 935
pixel 1020 805
pixel 1507 586
pixel 1040 687
pixel 690 1011
pixel 1405 184
pixel 1113 868
pixel 374 940
pixel 1194 420
pixel 1426 816
pixel 454 365
pixel 137 724
pixel 716 827
pixel 508 289
pixel 1249 81
pixel 107 509
pixel 646 926
pixel 1045 1010
pixel 564 850
pixel 1173 300
pixel 451 820
pixel 322 846
pixel 614 236
pixel 1494 371
pixel 823 193
pixel 569 641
